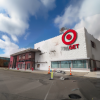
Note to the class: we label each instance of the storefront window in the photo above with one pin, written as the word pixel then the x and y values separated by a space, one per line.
pixel 55 64
pixel 28 65
pixel 23 66
pixel 79 64
pixel 18 65
pixel 65 64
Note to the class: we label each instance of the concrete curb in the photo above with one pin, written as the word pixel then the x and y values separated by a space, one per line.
pixel 36 72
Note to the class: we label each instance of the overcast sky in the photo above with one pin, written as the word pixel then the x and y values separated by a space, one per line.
pixel 26 22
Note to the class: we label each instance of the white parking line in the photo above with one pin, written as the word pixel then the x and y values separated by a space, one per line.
pixel 48 92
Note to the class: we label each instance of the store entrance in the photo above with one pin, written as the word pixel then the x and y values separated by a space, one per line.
pixel 23 65
pixel 28 65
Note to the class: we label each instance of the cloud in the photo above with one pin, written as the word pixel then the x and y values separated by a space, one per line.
pixel 89 8
pixel 68 17
pixel 88 16
pixel 91 23
pixel 26 36
pixel 49 4
pixel 8 46
pixel 14 20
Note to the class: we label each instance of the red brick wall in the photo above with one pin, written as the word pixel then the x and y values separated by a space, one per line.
pixel 26 58
pixel 11 61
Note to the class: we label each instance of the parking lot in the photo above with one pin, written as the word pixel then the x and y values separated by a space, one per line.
pixel 32 86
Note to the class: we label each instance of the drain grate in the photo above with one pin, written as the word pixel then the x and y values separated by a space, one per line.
pixel 74 96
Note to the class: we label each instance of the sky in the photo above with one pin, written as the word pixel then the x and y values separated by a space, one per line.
pixel 26 22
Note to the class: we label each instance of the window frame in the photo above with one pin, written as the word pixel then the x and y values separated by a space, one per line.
pixel 29 55
pixel 57 62
pixel 18 65
pixel 38 65
pixel 71 64
pixel 19 56
pixel 23 56
pixel 93 44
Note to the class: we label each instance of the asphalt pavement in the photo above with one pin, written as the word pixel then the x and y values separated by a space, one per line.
pixel 16 85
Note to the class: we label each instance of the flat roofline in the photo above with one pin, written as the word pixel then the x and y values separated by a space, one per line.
pixel 25 51
pixel 82 28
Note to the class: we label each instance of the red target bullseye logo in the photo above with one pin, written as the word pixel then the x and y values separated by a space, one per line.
pixel 68 37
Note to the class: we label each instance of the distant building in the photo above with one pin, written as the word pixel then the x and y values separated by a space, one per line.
pixel 4 62
pixel 81 55
pixel 24 59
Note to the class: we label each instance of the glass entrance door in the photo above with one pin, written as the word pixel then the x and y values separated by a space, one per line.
pixel 23 66
pixel 28 65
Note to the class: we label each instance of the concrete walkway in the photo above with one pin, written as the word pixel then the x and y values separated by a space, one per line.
pixel 57 74
pixel 77 73
pixel 34 71
pixel 95 74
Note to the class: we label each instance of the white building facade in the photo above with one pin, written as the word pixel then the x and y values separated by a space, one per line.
pixel 82 55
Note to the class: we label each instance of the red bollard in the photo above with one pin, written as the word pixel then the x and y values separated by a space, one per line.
pixel 32 68
pixel 17 68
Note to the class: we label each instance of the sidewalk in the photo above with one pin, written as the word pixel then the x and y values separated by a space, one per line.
pixel 83 74
pixel 95 74
pixel 77 73
pixel 56 74
pixel 30 71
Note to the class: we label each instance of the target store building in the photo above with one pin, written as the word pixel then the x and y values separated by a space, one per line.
pixel 74 48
